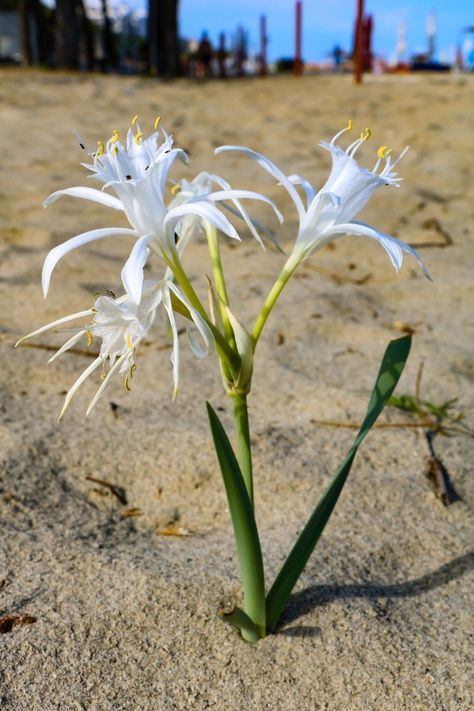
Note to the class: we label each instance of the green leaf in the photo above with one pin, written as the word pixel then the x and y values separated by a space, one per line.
pixel 392 366
pixel 245 528
pixel 239 619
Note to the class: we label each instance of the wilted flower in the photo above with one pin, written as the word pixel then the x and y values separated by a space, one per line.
pixel 121 325
pixel 329 212
pixel 138 173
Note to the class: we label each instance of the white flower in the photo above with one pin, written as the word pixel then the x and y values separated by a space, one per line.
pixel 138 174
pixel 329 213
pixel 121 325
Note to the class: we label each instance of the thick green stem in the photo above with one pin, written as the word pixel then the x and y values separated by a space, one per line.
pixel 254 594
pixel 219 281
pixel 282 279
pixel 242 431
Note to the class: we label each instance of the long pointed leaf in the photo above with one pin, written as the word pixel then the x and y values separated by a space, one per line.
pixel 245 528
pixel 392 366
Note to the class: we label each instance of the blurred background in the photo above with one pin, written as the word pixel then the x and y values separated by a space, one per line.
pixel 170 38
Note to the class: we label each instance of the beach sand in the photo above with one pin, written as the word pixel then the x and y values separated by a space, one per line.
pixel 126 618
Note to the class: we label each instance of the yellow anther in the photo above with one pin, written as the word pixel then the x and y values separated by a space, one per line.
pixel 366 134
pixel 138 137
pixel 127 384
pixel 157 122
pixel 101 150
pixel 129 342
pixel 134 119
pixel 90 338
pixel 349 125
pixel 384 151
pixel 115 136
pixel 175 189
pixel 115 151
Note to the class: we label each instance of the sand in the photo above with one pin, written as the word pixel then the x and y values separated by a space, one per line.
pixel 125 618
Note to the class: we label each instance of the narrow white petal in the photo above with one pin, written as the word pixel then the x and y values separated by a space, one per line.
pixel 254 225
pixel 393 246
pixel 273 170
pixel 174 331
pixel 200 323
pixel 66 346
pixel 132 272
pixel 72 391
pixel 241 194
pixel 167 164
pixel 58 252
pixel 305 184
pixel 207 211
pixel 106 381
pixel 53 324
pixel 86 194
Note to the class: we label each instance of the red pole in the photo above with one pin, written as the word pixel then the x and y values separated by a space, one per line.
pixel 358 43
pixel 263 45
pixel 298 65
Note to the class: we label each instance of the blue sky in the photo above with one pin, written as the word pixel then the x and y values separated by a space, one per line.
pixel 327 22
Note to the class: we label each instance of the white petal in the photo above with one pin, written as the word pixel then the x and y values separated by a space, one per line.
pixel 69 343
pixel 253 225
pixel 132 272
pixel 86 194
pixel 195 342
pixel 201 325
pixel 106 381
pixel 53 324
pixel 305 184
pixel 72 391
pixel 174 331
pixel 273 170
pixel 58 252
pixel 207 211
pixel 166 164
pixel 393 246
pixel 241 194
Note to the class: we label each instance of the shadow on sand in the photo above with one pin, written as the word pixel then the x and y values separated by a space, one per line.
pixel 319 595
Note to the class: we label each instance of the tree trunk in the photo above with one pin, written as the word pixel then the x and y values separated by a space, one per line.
pixel 163 40
pixel 110 55
pixel 26 48
pixel 66 35
pixel 87 36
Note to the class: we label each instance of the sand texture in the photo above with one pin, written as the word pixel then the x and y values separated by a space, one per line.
pixel 125 618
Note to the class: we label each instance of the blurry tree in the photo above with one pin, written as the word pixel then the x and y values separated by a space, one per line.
pixel 110 53
pixel 26 47
pixel 67 35
pixel 86 33
pixel 163 43
pixel 36 28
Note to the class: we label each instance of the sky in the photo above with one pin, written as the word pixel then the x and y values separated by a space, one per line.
pixel 328 22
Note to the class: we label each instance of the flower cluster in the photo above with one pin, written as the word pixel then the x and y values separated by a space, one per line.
pixel 164 215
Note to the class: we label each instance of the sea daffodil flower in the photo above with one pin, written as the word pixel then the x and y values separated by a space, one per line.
pixel 122 325
pixel 329 212
pixel 138 172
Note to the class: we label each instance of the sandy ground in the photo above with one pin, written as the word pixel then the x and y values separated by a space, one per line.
pixel 126 617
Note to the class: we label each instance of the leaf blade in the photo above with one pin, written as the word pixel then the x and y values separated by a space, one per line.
pixel 389 373
pixel 245 528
